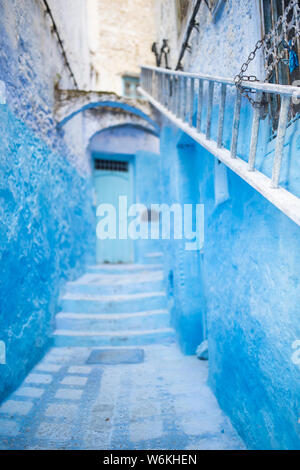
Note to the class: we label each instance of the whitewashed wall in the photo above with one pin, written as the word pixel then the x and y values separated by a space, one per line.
pixel 71 20
pixel 120 36
pixel 223 44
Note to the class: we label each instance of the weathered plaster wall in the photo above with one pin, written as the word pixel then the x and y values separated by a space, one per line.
pixel 247 287
pixel 120 36
pixel 71 17
pixel 167 27
pixel 46 217
pixel 248 280
pixel 183 269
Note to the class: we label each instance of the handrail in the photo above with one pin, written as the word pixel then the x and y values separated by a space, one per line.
pixel 183 99
pixel 287 90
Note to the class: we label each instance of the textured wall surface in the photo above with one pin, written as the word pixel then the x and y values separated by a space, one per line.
pixel 71 17
pixel 183 269
pixel 222 44
pixel 120 37
pixel 246 289
pixel 46 218
pixel 248 279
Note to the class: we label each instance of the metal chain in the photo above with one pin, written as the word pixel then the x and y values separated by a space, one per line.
pixel 239 78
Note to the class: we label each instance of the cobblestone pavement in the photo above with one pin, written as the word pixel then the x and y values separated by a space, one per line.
pixel 162 403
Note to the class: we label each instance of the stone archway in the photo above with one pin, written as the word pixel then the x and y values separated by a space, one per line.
pixel 69 103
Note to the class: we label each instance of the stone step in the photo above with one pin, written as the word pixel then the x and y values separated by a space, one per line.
pixel 151 320
pixel 65 338
pixel 88 303
pixel 123 268
pixel 109 284
pixel 153 258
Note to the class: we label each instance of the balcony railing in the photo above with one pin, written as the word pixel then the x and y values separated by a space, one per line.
pixel 210 110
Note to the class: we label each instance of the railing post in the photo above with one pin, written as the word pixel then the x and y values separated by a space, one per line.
pixel 221 115
pixel 192 84
pixel 168 91
pixel 160 88
pixel 236 124
pixel 284 111
pixel 185 84
pixel 254 135
pixel 209 108
pixel 179 98
pixel 199 105
pixel 148 81
pixel 174 94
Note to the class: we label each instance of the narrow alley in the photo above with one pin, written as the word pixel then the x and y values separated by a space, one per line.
pixel 121 395
pixel 149 226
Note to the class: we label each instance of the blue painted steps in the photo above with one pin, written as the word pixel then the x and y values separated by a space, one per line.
pixel 153 258
pixel 115 305
pixel 126 338
pixel 102 322
pixel 122 303
pixel 117 283
pixel 123 268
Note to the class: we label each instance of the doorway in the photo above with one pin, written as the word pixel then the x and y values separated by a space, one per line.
pixel 113 177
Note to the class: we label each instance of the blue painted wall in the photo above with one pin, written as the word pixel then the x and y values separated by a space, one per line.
pixel 183 269
pixel 248 289
pixel 46 216
pixel 141 147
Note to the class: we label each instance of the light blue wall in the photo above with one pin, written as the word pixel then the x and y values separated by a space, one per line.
pixel 247 287
pixel 183 269
pixel 46 217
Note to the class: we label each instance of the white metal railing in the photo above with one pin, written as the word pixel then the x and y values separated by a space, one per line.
pixel 181 97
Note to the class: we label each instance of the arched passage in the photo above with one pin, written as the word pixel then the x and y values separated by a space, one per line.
pixel 70 103
pixel 125 161
pixel 122 139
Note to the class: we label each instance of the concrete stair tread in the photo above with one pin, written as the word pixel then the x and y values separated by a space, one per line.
pixel 113 333
pixel 154 255
pixel 124 267
pixel 114 305
pixel 113 297
pixel 117 279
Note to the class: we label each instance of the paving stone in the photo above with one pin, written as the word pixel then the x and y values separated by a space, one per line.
pixel 68 394
pixel 39 378
pixel 74 380
pixel 31 392
pixel 62 411
pixel 48 367
pixel 79 370
pixel 14 407
pixel 54 431
pixel 8 428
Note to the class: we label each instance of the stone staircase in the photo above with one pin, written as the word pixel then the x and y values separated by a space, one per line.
pixel 115 305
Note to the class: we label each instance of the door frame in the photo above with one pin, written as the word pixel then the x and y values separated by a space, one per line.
pixel 130 158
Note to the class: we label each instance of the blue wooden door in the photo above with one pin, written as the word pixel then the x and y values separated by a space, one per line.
pixel 112 180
